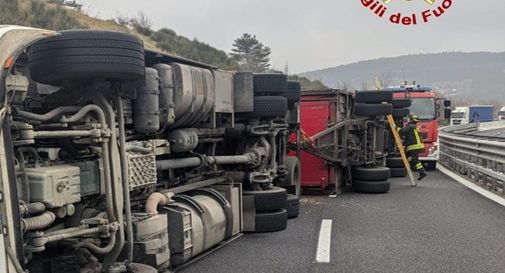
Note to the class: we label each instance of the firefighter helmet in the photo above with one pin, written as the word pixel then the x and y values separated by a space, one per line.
pixel 413 118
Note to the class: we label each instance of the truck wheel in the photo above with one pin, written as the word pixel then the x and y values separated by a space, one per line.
pixel 269 200
pixel 362 109
pixel 141 268
pixel 293 93
pixel 395 162
pixel 371 186
pixel 84 54
pixel 371 174
pixel 374 96
pixel 267 107
pixel 269 83
pixel 401 103
pixel 398 172
pixel 400 113
pixel 293 207
pixel 293 177
pixel 271 221
pixel 430 165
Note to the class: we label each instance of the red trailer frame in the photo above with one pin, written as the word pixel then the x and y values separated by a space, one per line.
pixel 333 140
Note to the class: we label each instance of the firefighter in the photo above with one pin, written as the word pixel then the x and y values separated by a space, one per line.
pixel 413 144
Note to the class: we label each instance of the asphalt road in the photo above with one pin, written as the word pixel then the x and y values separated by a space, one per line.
pixel 441 226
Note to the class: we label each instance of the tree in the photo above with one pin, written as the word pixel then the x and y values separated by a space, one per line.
pixel 68 3
pixel 344 85
pixel 123 21
pixel 142 24
pixel 250 54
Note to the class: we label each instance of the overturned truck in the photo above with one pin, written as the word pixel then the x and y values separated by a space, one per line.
pixel 343 142
pixel 115 158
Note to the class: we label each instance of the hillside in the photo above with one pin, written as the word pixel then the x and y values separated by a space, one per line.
pixel 57 15
pixel 43 14
pixel 476 76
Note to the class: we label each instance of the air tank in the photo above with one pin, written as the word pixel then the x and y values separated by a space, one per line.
pixel 147 108
pixel 167 105
pixel 183 140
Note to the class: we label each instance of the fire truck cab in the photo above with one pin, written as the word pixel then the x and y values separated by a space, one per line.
pixel 429 107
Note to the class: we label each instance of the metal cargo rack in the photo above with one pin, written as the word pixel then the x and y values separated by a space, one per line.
pixel 332 140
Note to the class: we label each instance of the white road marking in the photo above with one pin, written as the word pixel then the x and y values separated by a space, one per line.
pixel 472 186
pixel 324 243
pixel 333 196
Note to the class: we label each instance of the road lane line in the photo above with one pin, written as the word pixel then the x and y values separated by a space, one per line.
pixel 324 243
pixel 472 186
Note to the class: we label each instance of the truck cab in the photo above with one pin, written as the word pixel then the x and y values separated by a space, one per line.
pixel 501 114
pixel 459 116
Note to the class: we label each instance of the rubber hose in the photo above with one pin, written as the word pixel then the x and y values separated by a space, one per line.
pixel 48 116
pixel 125 180
pixel 38 222
pixel 99 250
pixel 32 208
pixel 154 200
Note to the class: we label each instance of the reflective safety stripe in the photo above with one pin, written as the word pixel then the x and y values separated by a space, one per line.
pixel 418 136
pixel 415 147
pixel 419 144
pixel 419 166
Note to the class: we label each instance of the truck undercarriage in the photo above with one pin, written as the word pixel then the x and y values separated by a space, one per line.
pixel 119 159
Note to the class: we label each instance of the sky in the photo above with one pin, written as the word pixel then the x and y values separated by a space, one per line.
pixel 316 34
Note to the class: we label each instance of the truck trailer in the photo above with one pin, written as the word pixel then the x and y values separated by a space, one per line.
pixel 472 114
pixel 343 145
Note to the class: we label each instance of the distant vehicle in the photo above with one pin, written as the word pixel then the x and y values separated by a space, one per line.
pixel 472 114
pixel 501 114
pixel 458 116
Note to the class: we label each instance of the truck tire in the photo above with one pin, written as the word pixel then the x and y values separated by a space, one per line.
pixel 293 207
pixel 373 96
pixel 269 83
pixel 86 54
pixel 269 200
pixel 401 103
pixel 141 268
pixel 293 177
pixel 271 221
pixel 293 93
pixel 267 107
pixel 400 112
pixel 363 109
pixel 394 162
pixel 371 186
pixel 430 165
pixel 398 172
pixel 371 174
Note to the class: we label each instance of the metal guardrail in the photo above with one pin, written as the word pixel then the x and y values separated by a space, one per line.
pixel 481 159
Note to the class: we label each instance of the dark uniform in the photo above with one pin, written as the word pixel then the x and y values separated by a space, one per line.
pixel 413 145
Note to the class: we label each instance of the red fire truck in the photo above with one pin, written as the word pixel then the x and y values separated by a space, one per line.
pixel 430 107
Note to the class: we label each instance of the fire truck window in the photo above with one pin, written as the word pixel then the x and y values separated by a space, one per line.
pixel 423 108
